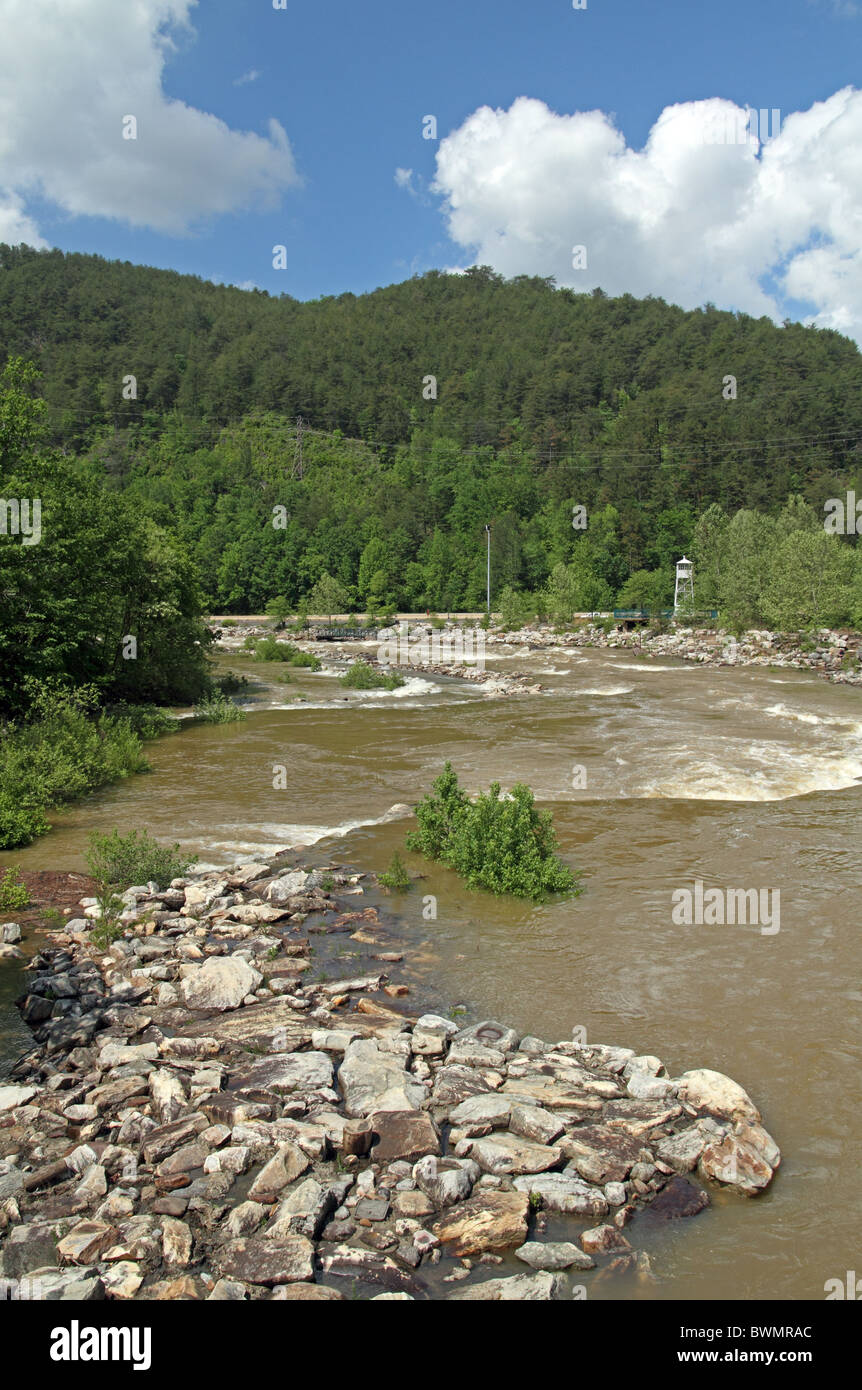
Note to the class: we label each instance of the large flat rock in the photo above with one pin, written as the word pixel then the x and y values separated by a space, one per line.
pixel 505 1154
pixel 403 1134
pixel 221 983
pixel 284 1073
pixel 257 1261
pixel 372 1080
pixel 488 1221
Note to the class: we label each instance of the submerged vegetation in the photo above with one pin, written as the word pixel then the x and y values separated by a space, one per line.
pixel 396 877
pixel 503 844
pixel 217 708
pixel 362 676
pixel 270 649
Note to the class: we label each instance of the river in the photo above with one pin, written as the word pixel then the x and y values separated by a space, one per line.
pixel 658 773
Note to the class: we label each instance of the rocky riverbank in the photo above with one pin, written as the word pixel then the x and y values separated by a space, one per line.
pixel 200 1119
pixel 835 656
pixel 832 655
pixel 496 684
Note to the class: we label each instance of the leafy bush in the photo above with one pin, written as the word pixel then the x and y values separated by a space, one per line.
pixel 147 721
pixel 269 649
pixel 12 892
pixel 136 858
pixel 505 845
pixel 396 876
pixel 66 750
pixel 108 927
pixel 19 824
pixel 362 676
pixel 230 683
pixel 306 659
pixel 216 708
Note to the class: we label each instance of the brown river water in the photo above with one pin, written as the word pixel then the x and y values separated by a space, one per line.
pixel 741 778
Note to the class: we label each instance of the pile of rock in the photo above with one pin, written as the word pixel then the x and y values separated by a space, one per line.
pixel 200 1121
pixel 837 656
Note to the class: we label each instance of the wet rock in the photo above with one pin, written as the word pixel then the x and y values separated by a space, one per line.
pixel 735 1164
pixel 560 1193
pixel 520 1288
pixel 554 1256
pixel 713 1091
pixel 600 1240
pixel 487 1221
pixel 678 1200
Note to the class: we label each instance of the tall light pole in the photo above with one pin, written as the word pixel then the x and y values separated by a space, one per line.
pixel 488 533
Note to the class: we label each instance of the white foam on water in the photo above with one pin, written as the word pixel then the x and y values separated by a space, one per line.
pixel 273 837
pixel 607 690
pixel 413 686
pixel 777 778
pixel 650 666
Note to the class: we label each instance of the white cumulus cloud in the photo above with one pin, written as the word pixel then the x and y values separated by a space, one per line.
pixel 747 226
pixel 70 72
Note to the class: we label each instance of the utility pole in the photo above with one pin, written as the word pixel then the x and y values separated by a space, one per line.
pixel 297 460
pixel 488 533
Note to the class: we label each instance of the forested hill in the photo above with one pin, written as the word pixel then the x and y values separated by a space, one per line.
pixel 544 399
pixel 561 372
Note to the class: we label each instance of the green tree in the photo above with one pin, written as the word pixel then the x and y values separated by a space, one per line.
pixel 328 596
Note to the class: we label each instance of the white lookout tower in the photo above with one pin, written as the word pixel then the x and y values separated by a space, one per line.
pixel 683 594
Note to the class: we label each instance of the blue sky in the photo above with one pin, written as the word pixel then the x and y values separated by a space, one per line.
pixel 350 84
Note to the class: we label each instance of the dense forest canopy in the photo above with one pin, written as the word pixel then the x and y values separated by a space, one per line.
pixel 542 400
